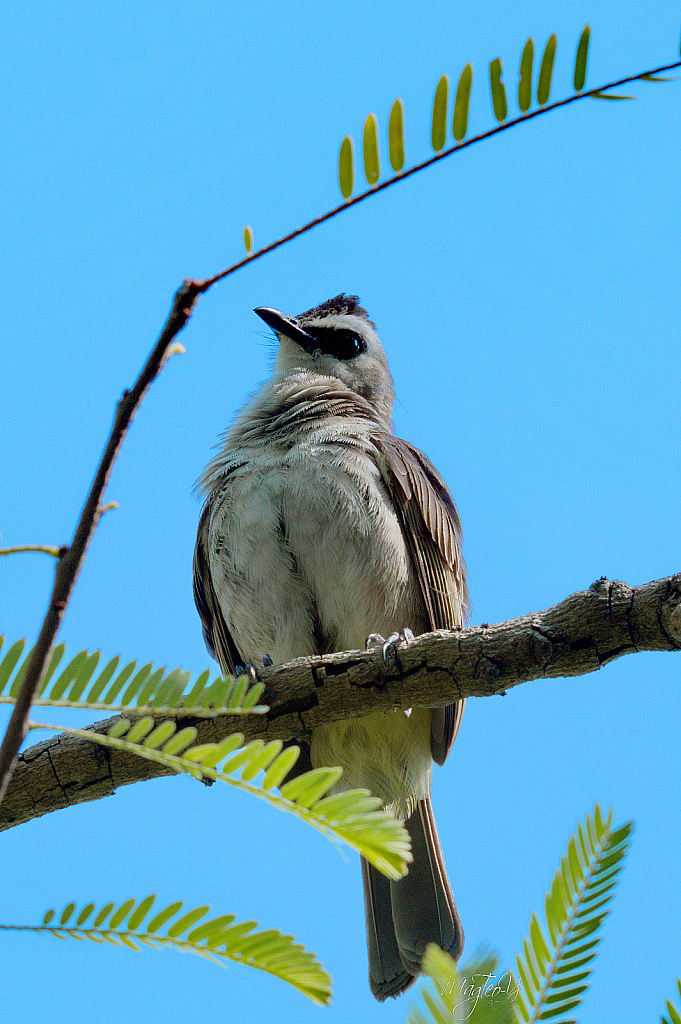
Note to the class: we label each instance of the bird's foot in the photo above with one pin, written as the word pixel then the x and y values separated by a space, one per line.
pixel 390 644
pixel 246 670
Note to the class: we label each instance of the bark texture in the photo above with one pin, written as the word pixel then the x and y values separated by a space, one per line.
pixel 579 635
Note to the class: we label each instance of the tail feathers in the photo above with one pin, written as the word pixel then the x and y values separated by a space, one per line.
pixel 387 974
pixel 403 917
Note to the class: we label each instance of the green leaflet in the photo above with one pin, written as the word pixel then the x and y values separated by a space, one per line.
pixel 525 83
pixel 581 59
pixel 550 966
pixel 353 817
pixel 113 688
pixel 438 129
pixel 372 168
pixel 674 1015
pixel 346 169
pixel 396 136
pixel 598 95
pixel 217 939
pixel 248 239
pixel 478 993
pixel 463 96
pixel 546 72
pixel 498 90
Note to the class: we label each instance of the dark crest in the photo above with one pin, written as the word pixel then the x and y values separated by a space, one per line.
pixel 335 307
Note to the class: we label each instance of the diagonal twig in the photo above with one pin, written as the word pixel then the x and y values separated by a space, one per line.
pixel 71 558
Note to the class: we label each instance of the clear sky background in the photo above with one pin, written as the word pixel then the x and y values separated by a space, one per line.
pixel 527 292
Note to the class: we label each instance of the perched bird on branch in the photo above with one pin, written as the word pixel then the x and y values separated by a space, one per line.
pixel 320 527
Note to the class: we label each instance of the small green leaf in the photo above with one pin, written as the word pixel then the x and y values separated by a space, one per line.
pixel 121 914
pixel 608 96
pixel 372 168
pixel 546 72
pixel 280 768
pixel 498 90
pixel 84 914
pixel 180 740
pixel 463 95
pixel 262 760
pixel 525 83
pixel 438 130
pixel 67 912
pixel 163 916
pixel 160 735
pixel 102 915
pixel 396 136
pixel 139 730
pixel 119 728
pixel 140 912
pixel 248 239
pixel 346 170
pixel 581 59
pixel 186 921
pixel 47 916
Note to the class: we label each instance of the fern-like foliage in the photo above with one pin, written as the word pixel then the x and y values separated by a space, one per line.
pixel 552 968
pixel 353 817
pixel 439 120
pixel 218 939
pixel 476 993
pixel 119 688
pixel 674 1014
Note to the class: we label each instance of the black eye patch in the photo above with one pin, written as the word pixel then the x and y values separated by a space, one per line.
pixel 337 342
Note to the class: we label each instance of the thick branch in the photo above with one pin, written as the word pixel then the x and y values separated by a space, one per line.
pixel 579 635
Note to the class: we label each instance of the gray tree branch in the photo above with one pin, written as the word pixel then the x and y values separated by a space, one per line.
pixel 579 635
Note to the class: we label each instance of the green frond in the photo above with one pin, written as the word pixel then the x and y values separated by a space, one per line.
pixel 372 166
pixel 248 239
pixel 525 83
pixel 352 817
pixel 476 993
pixel 217 939
pixel 498 90
pixel 551 978
pixel 461 103
pixel 396 136
pixel 117 689
pixel 674 1014
pixel 658 78
pixel 546 72
pixel 438 128
pixel 581 59
pixel 346 168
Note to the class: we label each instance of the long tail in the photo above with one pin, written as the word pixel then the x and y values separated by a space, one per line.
pixel 403 917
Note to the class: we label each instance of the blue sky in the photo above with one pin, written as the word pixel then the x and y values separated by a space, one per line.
pixel 527 294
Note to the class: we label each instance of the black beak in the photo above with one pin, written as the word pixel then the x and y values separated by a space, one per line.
pixel 286 325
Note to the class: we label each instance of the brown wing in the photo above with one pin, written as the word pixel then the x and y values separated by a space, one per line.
pixel 218 638
pixel 432 529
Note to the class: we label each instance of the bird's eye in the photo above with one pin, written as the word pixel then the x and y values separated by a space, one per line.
pixel 340 343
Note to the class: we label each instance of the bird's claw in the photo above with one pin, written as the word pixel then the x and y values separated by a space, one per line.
pixel 405 636
pixel 246 670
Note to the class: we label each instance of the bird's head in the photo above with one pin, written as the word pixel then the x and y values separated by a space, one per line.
pixel 336 339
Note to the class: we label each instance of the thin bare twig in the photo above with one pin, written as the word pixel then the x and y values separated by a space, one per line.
pixel 71 558
pixel 46 549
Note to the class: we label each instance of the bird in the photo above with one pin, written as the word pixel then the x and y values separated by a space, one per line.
pixel 321 528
